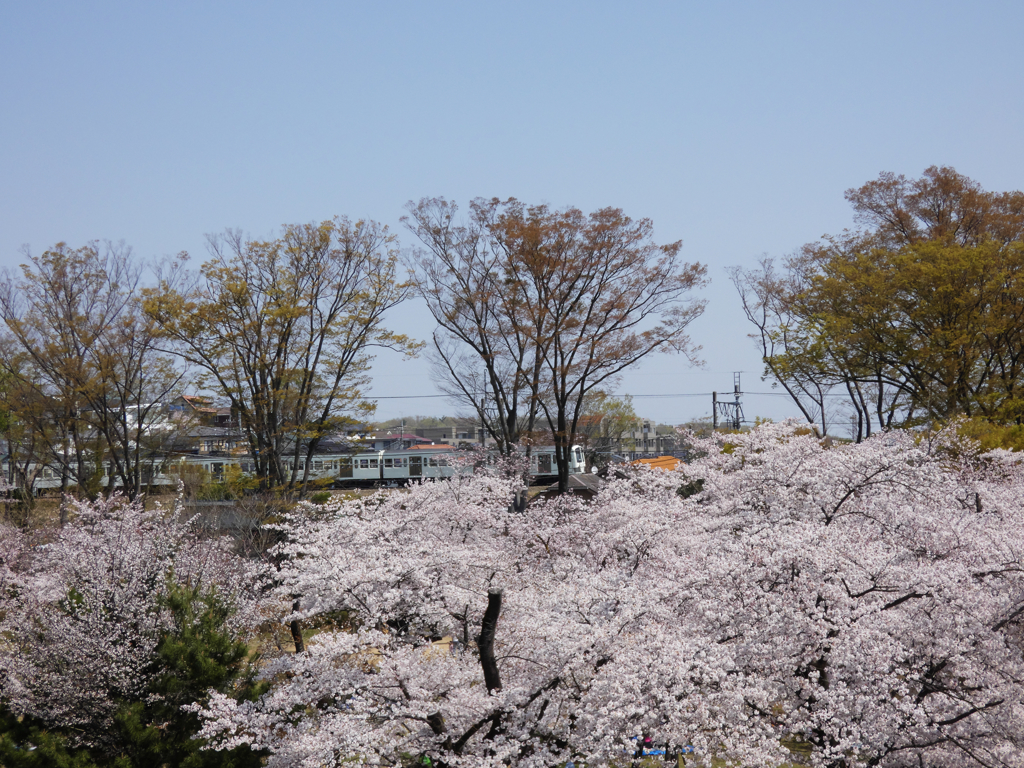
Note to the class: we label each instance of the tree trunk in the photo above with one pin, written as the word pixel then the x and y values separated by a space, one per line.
pixel 485 641
pixel 296 628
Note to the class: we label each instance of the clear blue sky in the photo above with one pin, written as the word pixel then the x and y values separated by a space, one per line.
pixel 735 126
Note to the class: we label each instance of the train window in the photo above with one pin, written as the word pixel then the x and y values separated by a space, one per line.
pixel 364 463
pixel 318 466
pixel 373 463
pixel 346 462
pixel 442 462
pixel 389 462
pixel 432 462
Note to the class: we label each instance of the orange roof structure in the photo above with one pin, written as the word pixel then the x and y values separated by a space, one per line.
pixel 666 463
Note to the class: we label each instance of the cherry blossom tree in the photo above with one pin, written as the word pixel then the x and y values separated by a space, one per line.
pixel 86 618
pixel 13 555
pixel 775 600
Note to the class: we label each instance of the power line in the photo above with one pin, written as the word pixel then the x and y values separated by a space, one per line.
pixel 681 394
pixel 667 395
pixel 407 397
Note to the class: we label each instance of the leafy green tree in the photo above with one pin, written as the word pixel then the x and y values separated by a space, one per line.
pixel 199 655
pixel 604 421
pixel 940 324
pixel 918 317
pixel 990 436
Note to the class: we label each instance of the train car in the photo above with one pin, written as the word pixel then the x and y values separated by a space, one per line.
pixel 344 470
pixel 395 467
pixel 48 480
pixel 543 463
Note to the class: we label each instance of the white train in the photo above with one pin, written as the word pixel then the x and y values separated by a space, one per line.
pixel 367 468
pixel 401 465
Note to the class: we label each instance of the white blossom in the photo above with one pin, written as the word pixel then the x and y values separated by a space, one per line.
pixel 861 602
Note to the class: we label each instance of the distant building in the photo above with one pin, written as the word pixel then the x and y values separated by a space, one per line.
pixel 387 440
pixel 644 439
pixel 462 430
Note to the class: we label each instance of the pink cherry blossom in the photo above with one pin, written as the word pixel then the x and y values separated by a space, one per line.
pixel 82 614
pixel 860 603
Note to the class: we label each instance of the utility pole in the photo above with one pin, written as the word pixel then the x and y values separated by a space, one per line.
pixel 483 423
pixel 483 407
pixel 737 408
pixel 732 413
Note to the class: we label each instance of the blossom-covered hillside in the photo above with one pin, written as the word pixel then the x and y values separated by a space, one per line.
pixel 859 605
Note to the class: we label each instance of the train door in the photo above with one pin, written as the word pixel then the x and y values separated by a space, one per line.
pixel 345 466
pixel 415 466
pixel 543 463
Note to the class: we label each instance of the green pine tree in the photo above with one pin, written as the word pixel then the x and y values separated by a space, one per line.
pixel 197 654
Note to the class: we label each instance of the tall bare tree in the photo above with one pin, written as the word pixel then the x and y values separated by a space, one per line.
pixel 481 355
pixel 563 300
pixel 283 330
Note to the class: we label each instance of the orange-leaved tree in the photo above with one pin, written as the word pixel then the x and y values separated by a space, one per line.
pixel 562 303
